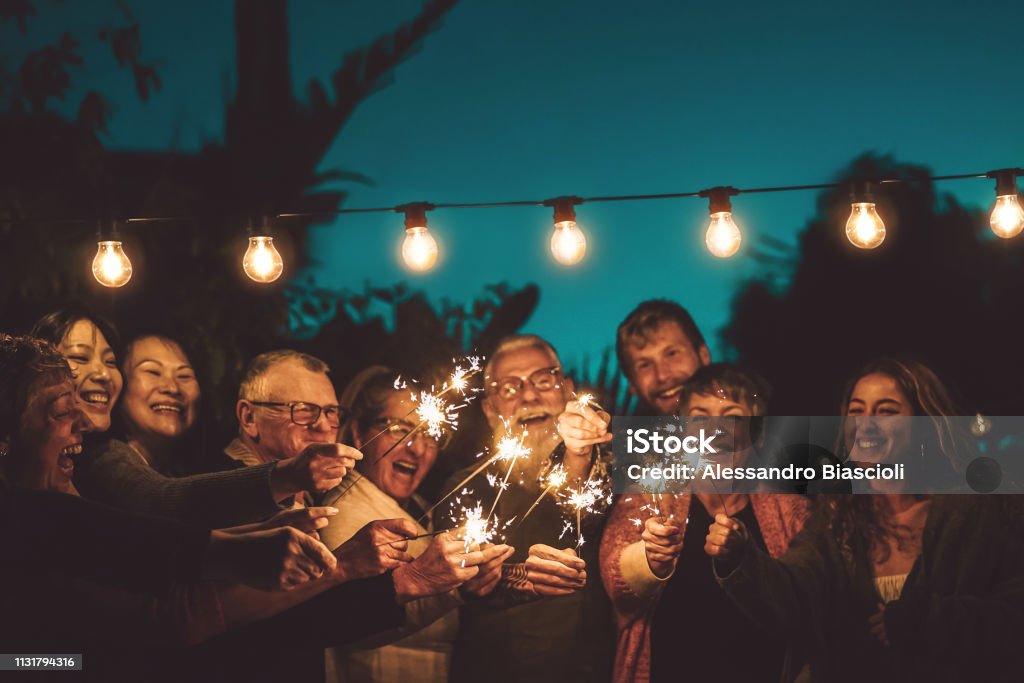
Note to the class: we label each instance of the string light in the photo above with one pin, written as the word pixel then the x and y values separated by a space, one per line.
pixel 723 237
pixel 864 227
pixel 1007 219
pixel 568 243
pixel 111 266
pixel 262 261
pixel 419 248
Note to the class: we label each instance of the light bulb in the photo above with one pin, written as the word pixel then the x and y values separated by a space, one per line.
pixel 864 227
pixel 262 261
pixel 568 243
pixel 1007 219
pixel 419 249
pixel 723 237
pixel 111 266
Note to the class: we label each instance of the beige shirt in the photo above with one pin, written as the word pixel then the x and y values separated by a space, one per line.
pixel 424 653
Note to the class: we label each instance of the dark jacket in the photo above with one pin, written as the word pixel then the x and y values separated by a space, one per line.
pixel 960 616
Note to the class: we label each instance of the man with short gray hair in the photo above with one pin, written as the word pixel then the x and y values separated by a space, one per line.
pixel 288 413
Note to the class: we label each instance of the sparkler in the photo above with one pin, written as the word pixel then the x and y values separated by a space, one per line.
pixel 477 529
pixel 586 399
pixel 555 480
pixel 432 410
pixel 509 448
pixel 462 483
pixel 584 499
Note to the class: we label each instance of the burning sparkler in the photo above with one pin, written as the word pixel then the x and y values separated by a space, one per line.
pixel 584 498
pixel 555 480
pixel 433 411
pixel 509 448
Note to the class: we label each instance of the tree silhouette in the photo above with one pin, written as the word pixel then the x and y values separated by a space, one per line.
pixel 188 280
pixel 939 288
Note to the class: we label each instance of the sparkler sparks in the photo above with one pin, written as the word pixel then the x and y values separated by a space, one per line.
pixel 555 480
pixel 585 499
pixel 476 528
pixel 434 413
pixel 509 448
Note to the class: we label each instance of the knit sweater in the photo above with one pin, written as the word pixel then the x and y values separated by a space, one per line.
pixel 422 649
pixel 635 590
pixel 113 472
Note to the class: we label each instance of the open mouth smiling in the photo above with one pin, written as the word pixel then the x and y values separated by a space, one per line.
pixel 172 408
pixel 96 399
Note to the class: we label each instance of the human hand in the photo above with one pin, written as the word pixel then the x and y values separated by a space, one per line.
pixel 581 427
pixel 726 540
pixel 663 541
pixel 490 571
pixel 374 549
pixel 550 571
pixel 876 625
pixel 306 520
pixel 318 468
pixel 444 565
pixel 272 559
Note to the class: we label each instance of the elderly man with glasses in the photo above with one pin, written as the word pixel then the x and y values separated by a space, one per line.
pixel 288 413
pixel 548 619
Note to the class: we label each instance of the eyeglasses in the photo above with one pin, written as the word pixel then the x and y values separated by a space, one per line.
pixel 542 380
pixel 306 414
pixel 399 429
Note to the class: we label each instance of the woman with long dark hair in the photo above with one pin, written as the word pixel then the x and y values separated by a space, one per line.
pixel 895 586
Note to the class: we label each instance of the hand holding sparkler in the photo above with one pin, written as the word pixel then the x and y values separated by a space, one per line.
pixel 551 571
pixel 726 541
pixel 445 564
pixel 490 571
pixel 318 468
pixel 582 425
pixel 374 549
pixel 663 541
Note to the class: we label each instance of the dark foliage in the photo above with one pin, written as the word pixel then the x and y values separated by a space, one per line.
pixel 940 289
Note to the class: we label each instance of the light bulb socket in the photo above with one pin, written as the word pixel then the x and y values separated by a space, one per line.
pixel 718 198
pixel 862 191
pixel 264 223
pixel 112 232
pixel 1006 181
pixel 564 208
pixel 415 214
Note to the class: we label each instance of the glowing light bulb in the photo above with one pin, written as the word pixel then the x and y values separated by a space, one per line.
pixel 1007 219
pixel 111 266
pixel 723 237
pixel 262 262
pixel 568 243
pixel 864 227
pixel 419 249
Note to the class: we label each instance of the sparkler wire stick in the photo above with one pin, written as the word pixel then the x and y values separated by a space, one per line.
pixel 416 538
pixel 504 484
pixel 460 485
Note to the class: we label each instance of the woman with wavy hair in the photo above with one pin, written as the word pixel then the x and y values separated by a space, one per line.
pixel 895 586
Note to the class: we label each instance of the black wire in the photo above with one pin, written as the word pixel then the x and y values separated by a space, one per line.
pixel 491 205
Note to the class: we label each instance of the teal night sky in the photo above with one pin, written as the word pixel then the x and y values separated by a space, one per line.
pixel 530 99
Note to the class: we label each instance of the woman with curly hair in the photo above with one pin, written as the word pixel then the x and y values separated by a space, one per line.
pixel 894 586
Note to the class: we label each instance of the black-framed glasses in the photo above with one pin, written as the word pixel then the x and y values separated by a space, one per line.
pixel 398 429
pixel 542 380
pixel 306 414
